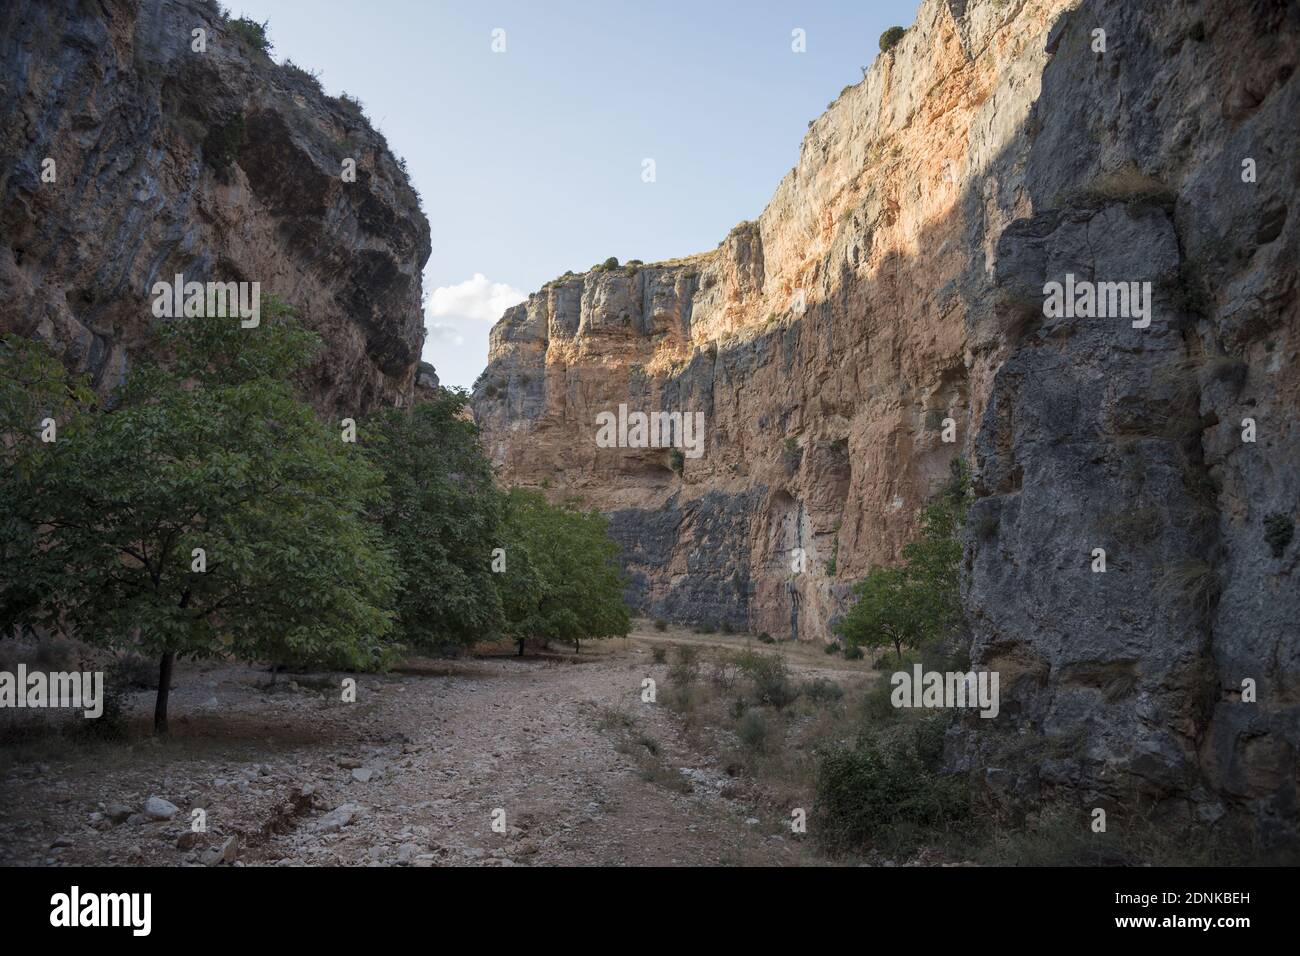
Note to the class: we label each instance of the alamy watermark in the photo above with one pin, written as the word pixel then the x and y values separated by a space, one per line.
pixel 1098 300
pixel 952 689
pixel 79 690
pixel 217 300
pixel 684 430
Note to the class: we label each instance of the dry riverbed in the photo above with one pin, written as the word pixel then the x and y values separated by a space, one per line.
pixel 411 773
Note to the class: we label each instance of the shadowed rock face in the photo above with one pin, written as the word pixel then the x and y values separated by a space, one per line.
pixel 217 165
pixel 896 280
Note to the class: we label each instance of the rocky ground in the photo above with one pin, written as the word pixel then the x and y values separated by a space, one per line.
pixel 411 773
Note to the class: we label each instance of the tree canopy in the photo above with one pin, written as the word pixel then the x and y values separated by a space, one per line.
pixel 441 514
pixel 562 579
pixel 209 512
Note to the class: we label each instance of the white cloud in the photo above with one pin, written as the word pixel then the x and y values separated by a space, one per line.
pixel 445 334
pixel 475 298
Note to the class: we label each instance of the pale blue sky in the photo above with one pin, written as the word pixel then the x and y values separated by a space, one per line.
pixel 529 161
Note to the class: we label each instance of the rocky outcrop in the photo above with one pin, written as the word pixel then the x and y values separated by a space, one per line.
pixel 891 296
pixel 211 163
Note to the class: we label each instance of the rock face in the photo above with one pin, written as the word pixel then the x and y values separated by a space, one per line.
pixel 892 291
pixel 217 165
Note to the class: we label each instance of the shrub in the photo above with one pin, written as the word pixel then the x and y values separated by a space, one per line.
pixel 877 705
pixel 708 627
pixel 677 460
pixel 723 675
pixel 831 648
pixel 351 104
pixel 661 624
pixel 752 730
pixel 823 691
pixel 659 654
pixel 888 791
pixel 766 638
pixel 252 33
pixel 771 679
pixel 853 653
pixel 726 628
pixel 890 38
pixel 307 77
pixel 111 723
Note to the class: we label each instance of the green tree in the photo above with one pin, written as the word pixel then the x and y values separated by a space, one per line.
pixel 891 38
pixel 441 515
pixel 919 602
pixel 562 580
pixel 35 394
pixel 210 512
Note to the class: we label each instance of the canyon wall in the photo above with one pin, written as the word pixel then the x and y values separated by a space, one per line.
pixel 216 164
pixel 890 296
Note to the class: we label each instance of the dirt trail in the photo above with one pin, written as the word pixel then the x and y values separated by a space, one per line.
pixel 419 764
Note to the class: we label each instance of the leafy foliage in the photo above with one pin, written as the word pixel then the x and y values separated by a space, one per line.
pixel 33 387
pixel 890 38
pixel 888 790
pixel 441 513
pixel 214 451
pixel 252 33
pixel 562 580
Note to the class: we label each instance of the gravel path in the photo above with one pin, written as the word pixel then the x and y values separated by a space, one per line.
pixel 411 773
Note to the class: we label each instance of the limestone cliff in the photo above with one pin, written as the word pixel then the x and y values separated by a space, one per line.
pixel 215 164
pixel 895 281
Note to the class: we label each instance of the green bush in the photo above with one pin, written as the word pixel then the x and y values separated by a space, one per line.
pixel 659 654
pixel 752 730
pixel 252 33
pixel 831 648
pixel 766 638
pixel 771 679
pixel 889 792
pixel 890 38
pixel 661 624
pixel 823 691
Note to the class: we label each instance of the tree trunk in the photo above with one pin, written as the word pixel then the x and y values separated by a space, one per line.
pixel 577 646
pixel 164 688
pixel 521 647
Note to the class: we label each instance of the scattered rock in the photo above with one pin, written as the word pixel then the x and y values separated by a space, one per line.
pixel 156 808
pixel 362 774
pixel 337 818
pixel 226 853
